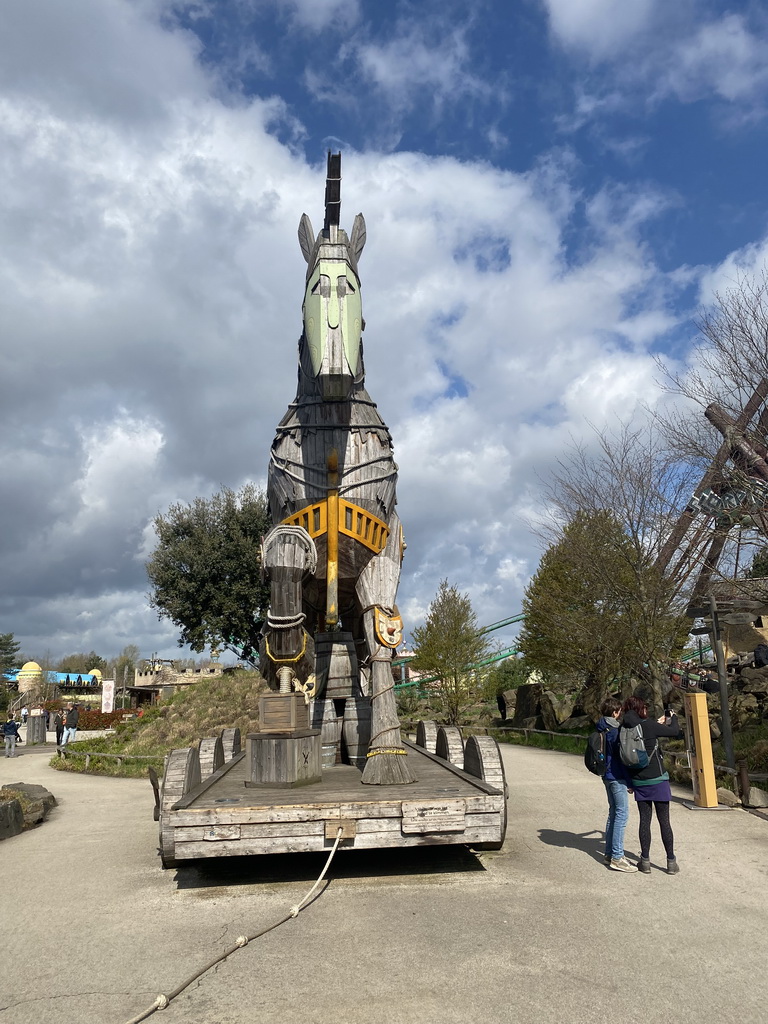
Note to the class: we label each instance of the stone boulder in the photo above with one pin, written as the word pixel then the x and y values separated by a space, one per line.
pixel 757 797
pixel 11 818
pixel 581 722
pixel 528 703
pixel 727 798
pixel 555 710
pixel 753 680
pixel 34 792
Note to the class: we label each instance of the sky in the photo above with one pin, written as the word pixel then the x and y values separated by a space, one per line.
pixel 552 190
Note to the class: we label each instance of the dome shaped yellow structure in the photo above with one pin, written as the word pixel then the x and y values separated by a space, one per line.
pixel 30 670
pixel 95 672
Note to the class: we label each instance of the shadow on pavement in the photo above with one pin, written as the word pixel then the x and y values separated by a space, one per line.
pixel 305 867
pixel 576 841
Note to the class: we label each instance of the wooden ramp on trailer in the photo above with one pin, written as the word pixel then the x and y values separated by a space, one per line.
pixel 224 816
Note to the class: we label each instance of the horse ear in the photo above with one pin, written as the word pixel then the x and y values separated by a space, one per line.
pixel 357 241
pixel 306 236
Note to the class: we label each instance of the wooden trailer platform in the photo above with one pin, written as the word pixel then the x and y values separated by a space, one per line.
pixel 221 816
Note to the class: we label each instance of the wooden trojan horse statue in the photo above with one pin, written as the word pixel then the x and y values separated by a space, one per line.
pixel 333 556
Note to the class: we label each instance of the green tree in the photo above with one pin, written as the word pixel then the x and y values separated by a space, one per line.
pixel 82 663
pixel 758 570
pixel 597 608
pixel 507 675
pixel 446 646
pixel 9 653
pixel 206 570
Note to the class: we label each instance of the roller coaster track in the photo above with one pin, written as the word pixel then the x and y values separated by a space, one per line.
pixel 499 656
pixel 508 652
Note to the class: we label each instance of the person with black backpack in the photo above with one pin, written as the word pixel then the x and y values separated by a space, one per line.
pixel 639 751
pixel 616 780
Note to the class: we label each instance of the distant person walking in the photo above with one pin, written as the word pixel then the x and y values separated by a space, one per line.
pixel 58 724
pixel 617 782
pixel 70 724
pixel 651 783
pixel 24 715
pixel 10 735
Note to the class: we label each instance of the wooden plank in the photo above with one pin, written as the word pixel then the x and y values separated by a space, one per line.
pixel 210 781
pixel 310 844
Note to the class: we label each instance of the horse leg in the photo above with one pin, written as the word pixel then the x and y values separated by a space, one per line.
pixel 287 651
pixel 387 761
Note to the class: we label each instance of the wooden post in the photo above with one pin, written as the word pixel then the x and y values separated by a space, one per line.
pixel 700 742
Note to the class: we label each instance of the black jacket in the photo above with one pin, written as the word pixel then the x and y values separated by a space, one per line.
pixel 72 719
pixel 652 732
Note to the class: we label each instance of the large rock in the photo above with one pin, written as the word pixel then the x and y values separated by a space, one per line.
pixel 11 818
pixel 34 792
pixel 727 798
pixel 757 797
pixel 510 699
pixel 753 680
pixel 581 722
pixel 555 710
pixel 528 703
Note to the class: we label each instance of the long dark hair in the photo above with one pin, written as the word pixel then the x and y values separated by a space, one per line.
pixel 637 705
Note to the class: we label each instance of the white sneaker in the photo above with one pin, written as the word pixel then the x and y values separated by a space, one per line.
pixel 622 864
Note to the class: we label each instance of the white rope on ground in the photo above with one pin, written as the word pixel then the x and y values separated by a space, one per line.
pixel 163 1001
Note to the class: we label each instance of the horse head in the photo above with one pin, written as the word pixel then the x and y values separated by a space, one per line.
pixel 331 350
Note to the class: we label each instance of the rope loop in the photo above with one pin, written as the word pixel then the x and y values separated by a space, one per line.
pixel 162 1002
pixel 241 940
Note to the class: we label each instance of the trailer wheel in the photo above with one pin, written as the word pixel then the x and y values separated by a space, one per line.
pixel 182 773
pixel 482 758
pixel 450 745
pixel 426 735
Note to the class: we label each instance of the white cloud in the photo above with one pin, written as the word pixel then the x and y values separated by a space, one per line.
pixel 601 28
pixel 152 286
pixel 722 58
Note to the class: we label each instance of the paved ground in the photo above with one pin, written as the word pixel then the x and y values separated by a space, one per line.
pixel 93 928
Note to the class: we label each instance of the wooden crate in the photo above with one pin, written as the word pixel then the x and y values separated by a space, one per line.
pixel 287 760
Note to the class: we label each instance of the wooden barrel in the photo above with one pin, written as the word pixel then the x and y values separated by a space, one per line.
pixel 336 665
pixel 356 730
pixel 230 741
pixel 449 744
pixel 211 754
pixel 426 735
pixel 325 719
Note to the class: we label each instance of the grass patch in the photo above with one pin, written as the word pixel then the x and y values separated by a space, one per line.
pixel 201 709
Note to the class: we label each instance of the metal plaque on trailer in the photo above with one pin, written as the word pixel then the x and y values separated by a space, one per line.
pixel 440 816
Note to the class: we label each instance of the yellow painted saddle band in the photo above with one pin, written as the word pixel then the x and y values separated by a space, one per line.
pixel 354 522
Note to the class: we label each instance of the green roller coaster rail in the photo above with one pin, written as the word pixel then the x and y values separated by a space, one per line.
pixel 509 652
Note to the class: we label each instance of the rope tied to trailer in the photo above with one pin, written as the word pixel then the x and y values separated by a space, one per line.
pixel 162 1001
